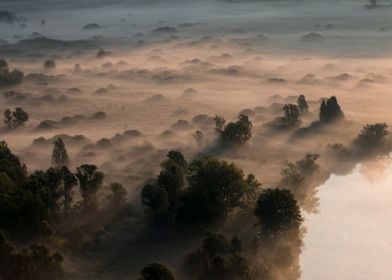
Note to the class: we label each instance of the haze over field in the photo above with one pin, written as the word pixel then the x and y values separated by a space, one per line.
pixel 128 115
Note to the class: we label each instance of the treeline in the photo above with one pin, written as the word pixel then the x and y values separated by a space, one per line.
pixel 202 194
pixel 32 205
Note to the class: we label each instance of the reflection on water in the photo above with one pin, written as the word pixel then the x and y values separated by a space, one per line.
pixel 351 237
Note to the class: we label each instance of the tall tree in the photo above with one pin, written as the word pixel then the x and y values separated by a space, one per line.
pixel 302 104
pixel 59 154
pixel 90 181
pixel 330 110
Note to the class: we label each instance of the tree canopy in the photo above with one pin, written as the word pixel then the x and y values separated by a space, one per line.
pixel 277 211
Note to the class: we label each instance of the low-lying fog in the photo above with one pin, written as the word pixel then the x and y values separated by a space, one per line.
pixel 133 80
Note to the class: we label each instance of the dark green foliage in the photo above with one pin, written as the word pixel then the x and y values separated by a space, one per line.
pixel 302 104
pixel 156 271
pixel 237 133
pixel 69 182
pixel 35 263
pixel 118 195
pixel 215 188
pixel 372 136
pixel 218 259
pixel 277 211
pixel 90 181
pixel 178 158
pixel 156 199
pixel 11 165
pixel 330 110
pixel 172 179
pixel 163 195
pixel 26 202
pixel 16 118
pixel 252 187
pixel 59 154
pixel 291 115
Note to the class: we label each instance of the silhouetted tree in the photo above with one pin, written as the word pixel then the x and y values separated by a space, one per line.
pixel 291 115
pixel 49 63
pixel 218 259
pixel 9 78
pixel 252 187
pixel 11 165
pixel 237 133
pixel 35 263
pixel 277 211
pixel 118 195
pixel 69 182
pixel 156 271
pixel 219 123
pixel 59 154
pixel 172 177
pixel 178 158
pixel 90 181
pixel 215 188
pixel 302 104
pixel 372 136
pixel 16 118
pixel 157 201
pixel 330 110
pixel 199 138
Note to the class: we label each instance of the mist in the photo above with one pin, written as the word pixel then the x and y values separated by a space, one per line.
pixel 123 83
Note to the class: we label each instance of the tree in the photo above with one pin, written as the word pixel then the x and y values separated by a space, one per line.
pixel 59 154
pixel 372 136
pixel 118 195
pixel 218 258
pixel 69 182
pixel 172 178
pixel 16 118
pixel 291 115
pixel 252 187
pixel 219 123
pixel 35 263
pixel 215 188
pixel 11 165
pixel 178 158
pixel 7 77
pixel 3 64
pixel 90 181
pixel 237 133
pixel 49 63
pixel 277 211
pixel 330 110
pixel 199 138
pixel 156 199
pixel 302 104
pixel 156 271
